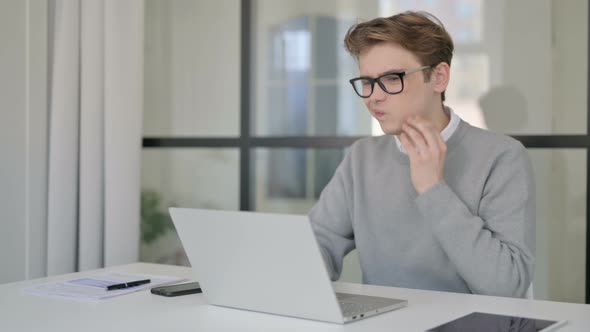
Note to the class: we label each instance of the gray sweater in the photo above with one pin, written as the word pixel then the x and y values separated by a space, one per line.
pixel 474 232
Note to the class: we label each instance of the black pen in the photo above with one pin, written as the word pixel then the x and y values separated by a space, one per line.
pixel 128 284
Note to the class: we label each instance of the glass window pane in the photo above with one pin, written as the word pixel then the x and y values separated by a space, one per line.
pixel 193 178
pixel 290 180
pixel 561 224
pixel 302 71
pixel 192 71
pixel 497 80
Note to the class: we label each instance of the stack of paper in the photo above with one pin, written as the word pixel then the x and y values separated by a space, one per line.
pixel 95 287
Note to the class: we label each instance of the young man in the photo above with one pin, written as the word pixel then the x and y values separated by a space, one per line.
pixel 435 203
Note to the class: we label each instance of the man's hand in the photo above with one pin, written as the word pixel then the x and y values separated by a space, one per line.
pixel 427 153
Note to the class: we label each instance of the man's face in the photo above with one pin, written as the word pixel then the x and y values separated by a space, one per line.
pixel 392 110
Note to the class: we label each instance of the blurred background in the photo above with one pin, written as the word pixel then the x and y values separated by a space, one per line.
pixel 520 68
pixel 246 105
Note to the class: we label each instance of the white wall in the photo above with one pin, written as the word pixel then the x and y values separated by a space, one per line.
pixel 23 118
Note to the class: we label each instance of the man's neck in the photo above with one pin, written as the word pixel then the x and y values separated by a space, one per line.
pixel 440 117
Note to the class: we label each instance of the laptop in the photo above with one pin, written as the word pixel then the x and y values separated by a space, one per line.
pixel 268 263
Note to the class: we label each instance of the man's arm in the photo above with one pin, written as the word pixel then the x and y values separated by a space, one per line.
pixel 331 219
pixel 493 250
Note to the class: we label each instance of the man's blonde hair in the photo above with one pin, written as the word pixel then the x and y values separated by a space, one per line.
pixel 421 33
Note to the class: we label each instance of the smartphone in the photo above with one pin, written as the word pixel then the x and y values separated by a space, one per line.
pixel 178 289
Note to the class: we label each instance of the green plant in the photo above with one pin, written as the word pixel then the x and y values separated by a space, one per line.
pixel 154 222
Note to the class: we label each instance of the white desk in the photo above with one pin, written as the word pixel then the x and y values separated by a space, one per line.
pixel 143 311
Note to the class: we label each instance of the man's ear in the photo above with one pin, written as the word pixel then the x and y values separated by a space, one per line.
pixel 440 77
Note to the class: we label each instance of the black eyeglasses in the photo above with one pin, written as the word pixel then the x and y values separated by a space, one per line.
pixel 392 83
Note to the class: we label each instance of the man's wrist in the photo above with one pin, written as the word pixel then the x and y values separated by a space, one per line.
pixel 426 189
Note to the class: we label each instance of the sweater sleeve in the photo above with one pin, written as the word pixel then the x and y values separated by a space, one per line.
pixel 331 219
pixel 494 249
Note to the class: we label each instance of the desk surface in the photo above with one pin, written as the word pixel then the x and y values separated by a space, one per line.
pixel 143 311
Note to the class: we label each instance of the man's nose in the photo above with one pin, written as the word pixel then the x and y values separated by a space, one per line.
pixel 378 94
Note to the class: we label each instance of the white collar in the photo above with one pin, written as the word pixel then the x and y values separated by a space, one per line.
pixel 445 134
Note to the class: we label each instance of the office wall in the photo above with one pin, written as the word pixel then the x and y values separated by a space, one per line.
pixel 23 119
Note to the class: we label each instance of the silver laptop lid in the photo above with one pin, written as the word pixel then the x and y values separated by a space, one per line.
pixel 258 261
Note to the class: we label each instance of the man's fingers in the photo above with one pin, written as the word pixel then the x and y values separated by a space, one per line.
pixel 416 137
pixel 408 144
pixel 430 134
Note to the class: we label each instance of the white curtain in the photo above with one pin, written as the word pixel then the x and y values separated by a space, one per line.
pixel 95 89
